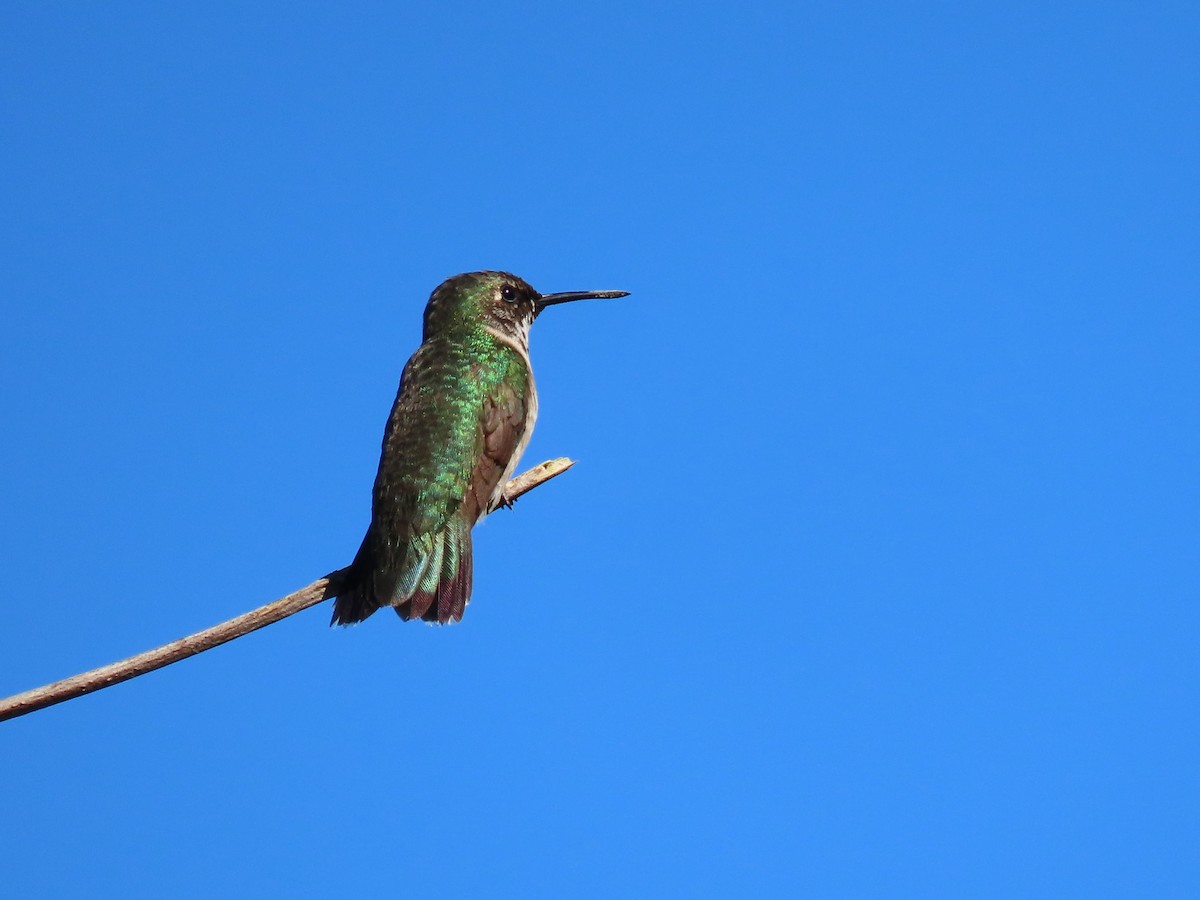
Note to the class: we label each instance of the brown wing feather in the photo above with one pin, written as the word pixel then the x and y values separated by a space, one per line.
pixel 503 423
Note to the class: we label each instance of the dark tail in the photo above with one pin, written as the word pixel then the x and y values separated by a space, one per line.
pixel 356 601
pixel 433 582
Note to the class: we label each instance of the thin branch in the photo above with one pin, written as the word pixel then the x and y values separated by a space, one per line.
pixel 528 480
pixel 320 590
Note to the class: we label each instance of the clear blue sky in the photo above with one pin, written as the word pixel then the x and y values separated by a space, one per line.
pixel 878 574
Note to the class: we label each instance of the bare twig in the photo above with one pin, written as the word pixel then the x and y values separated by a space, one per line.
pixel 528 480
pixel 319 590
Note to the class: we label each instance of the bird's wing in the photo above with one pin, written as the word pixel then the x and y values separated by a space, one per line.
pixel 504 424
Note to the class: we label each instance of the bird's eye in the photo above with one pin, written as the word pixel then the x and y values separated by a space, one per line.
pixel 509 293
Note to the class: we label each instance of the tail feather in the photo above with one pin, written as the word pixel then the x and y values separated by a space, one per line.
pixel 444 587
pixel 357 599
pixel 428 575
pixel 434 584
pixel 454 591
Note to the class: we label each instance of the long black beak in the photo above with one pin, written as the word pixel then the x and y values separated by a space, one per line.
pixel 566 297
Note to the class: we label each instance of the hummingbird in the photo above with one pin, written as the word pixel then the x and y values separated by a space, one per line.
pixel 464 413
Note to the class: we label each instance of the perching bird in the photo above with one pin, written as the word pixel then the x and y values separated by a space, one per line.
pixel 462 417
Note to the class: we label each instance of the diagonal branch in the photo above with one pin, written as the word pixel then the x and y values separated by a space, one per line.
pixel 320 590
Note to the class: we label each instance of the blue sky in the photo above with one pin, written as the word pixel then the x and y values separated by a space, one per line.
pixel 877 576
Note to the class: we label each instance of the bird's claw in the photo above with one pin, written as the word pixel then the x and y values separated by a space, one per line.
pixel 503 502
